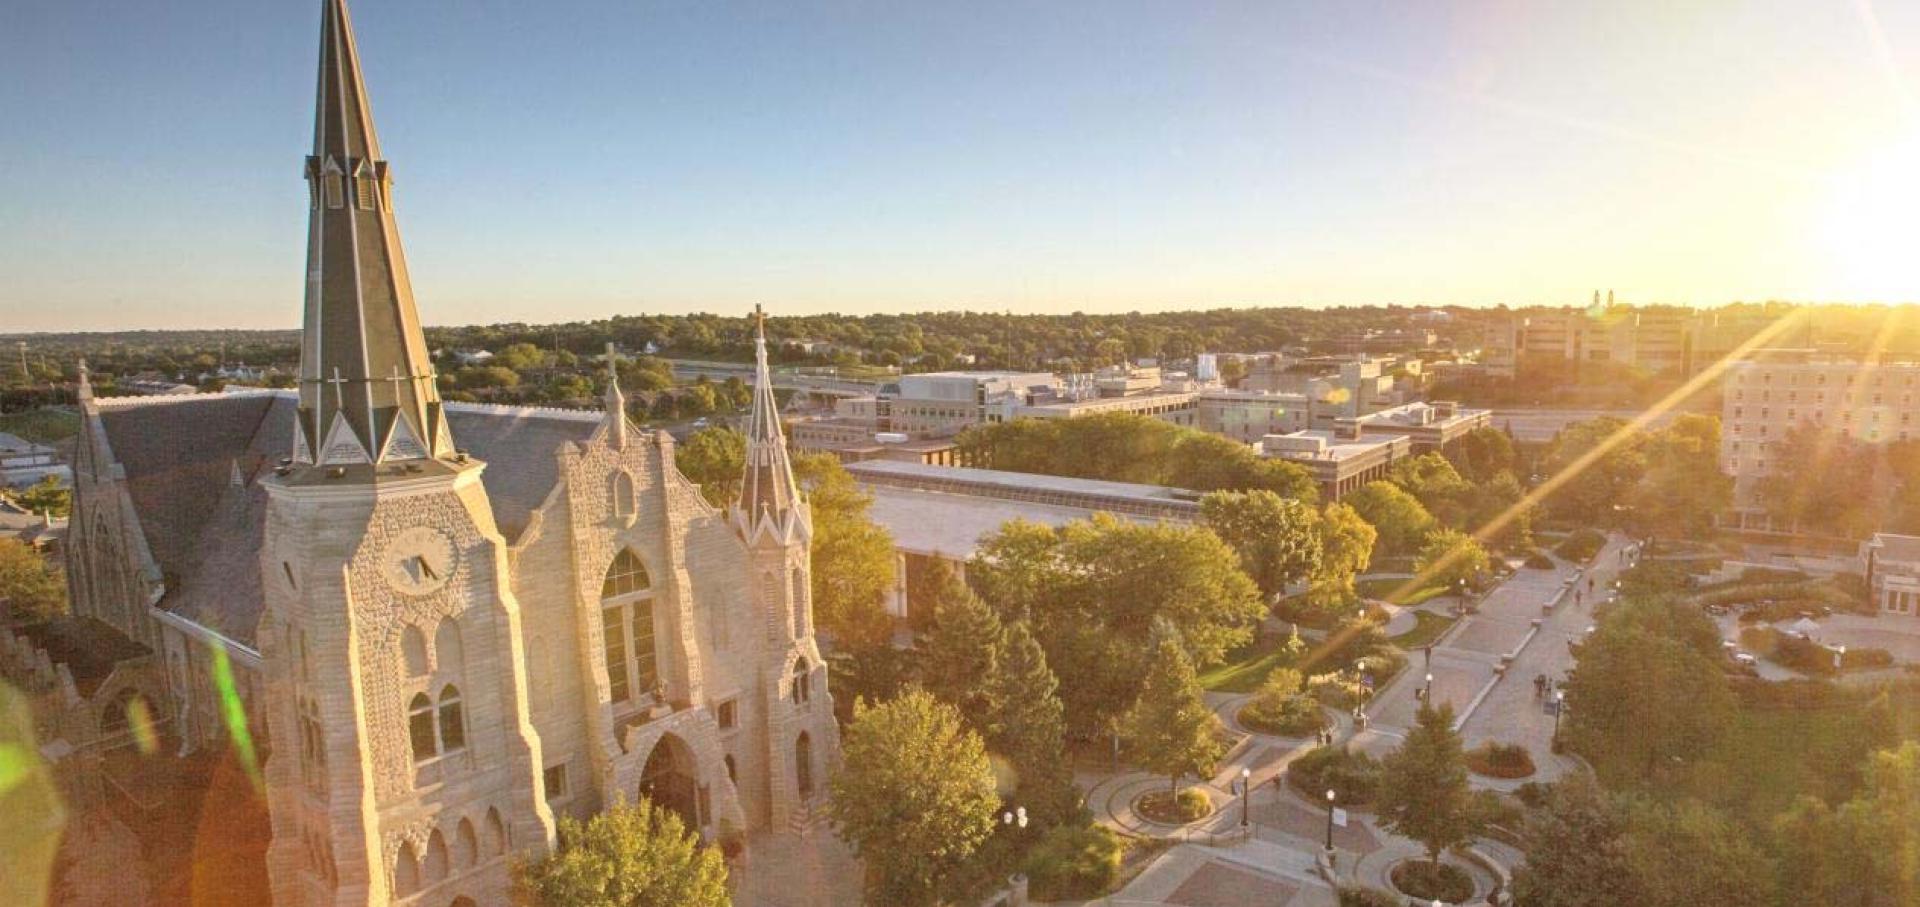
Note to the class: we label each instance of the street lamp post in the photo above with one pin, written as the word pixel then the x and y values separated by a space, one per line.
pixel 1330 826
pixel 1246 794
pixel 1428 696
pixel 1559 706
pixel 1015 816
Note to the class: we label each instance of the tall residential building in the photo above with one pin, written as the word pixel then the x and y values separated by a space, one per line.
pixel 1772 391
pixel 1657 339
pixel 452 623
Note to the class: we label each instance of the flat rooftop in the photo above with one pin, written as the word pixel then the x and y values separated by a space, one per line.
pixel 947 510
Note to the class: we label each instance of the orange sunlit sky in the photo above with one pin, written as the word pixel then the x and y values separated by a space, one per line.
pixel 581 158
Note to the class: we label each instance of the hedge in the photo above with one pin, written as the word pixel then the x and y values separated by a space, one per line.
pixel 1072 864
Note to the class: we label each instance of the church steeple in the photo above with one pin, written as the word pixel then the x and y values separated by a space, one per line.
pixel 767 492
pixel 366 383
pixel 616 402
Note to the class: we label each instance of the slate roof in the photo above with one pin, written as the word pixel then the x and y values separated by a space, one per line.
pixel 89 647
pixel 205 531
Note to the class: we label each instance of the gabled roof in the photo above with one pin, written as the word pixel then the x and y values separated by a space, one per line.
pixel 181 455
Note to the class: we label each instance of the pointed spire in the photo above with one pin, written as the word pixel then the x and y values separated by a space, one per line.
pixel 361 333
pixel 86 381
pixel 616 402
pixel 768 491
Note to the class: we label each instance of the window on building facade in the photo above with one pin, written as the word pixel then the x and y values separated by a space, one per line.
pixel 453 720
pixel 420 728
pixel 802 683
pixel 626 619
pixel 555 779
pixel 727 714
pixel 623 498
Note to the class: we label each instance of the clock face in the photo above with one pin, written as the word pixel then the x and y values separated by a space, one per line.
pixel 419 560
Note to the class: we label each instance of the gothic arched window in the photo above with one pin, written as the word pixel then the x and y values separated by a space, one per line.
pixel 803 764
pixel 426 743
pixel 802 683
pixel 623 498
pixel 448 653
pixel 496 833
pixel 413 651
pixel 626 623
pixel 406 872
pixel 434 868
pixel 453 723
pixel 466 845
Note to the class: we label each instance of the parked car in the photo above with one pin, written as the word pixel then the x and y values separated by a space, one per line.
pixel 1745 659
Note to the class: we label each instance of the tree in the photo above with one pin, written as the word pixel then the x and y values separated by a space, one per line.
pixel 1684 487
pixel 32 590
pixel 48 497
pixel 1450 556
pixel 853 557
pixel 1438 486
pixel 1847 500
pixel 715 459
pixel 959 652
pixel 914 796
pixel 1639 702
pixel 1399 520
pixel 1170 730
pixel 1575 856
pixel 1482 454
pixel 1599 463
pixel 1346 548
pixel 1277 540
pixel 1029 727
pixel 1423 786
pixel 1096 589
pixel 1864 852
pixel 633 855
pixel 1682 853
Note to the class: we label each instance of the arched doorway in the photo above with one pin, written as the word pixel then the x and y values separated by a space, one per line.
pixel 668 779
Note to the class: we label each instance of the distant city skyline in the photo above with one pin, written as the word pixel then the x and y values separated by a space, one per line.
pixel 577 160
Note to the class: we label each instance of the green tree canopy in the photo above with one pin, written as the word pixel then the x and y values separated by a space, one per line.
pixel 853 557
pixel 1423 786
pixel 959 651
pixel 1170 730
pixel 1029 728
pixel 1277 540
pixel 1602 464
pixel 633 855
pixel 1399 520
pixel 914 796
pixel 1095 590
pixel 1450 556
pixel 715 459
pixel 29 585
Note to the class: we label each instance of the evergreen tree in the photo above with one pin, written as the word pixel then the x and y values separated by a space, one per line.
pixel 1170 730
pixel 1423 786
pixel 1029 729
pixel 960 651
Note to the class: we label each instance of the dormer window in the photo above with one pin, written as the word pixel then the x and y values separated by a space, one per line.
pixel 335 192
pixel 364 187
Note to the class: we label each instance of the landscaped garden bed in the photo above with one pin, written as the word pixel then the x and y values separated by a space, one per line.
pixel 1354 777
pixel 1427 880
pixel 1168 808
pixel 1500 760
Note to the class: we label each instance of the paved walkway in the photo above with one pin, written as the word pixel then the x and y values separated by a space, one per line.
pixel 793 870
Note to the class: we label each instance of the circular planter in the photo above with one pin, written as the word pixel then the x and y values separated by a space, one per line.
pixel 1247 722
pixel 1155 806
pixel 1424 881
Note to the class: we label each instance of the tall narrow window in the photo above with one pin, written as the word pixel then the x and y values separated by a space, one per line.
pixel 453 721
pixel 420 728
pixel 646 666
pixel 623 502
pixel 336 194
pixel 803 764
pixel 802 683
pixel 363 190
pixel 613 627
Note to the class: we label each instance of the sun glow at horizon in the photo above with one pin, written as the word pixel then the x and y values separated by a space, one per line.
pixel 1870 228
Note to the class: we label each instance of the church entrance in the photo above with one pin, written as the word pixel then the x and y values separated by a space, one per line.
pixel 668 779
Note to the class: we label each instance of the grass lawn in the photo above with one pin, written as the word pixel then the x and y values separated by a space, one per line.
pixel 1383 589
pixel 41 426
pixel 1428 629
pixel 1244 669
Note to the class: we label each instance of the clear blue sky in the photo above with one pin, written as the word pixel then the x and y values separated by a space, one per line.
pixel 581 158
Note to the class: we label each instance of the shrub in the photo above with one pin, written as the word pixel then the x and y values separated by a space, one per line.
pixel 1354 777
pixel 1533 794
pixel 1423 880
pixel 1539 561
pixel 1500 760
pixel 1073 863
pixel 1173 809
pixel 1582 545
pixel 1296 716
pixel 1361 896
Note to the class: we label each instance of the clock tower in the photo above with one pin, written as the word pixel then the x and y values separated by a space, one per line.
pixel 405 767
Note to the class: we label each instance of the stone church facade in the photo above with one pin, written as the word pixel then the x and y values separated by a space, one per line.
pixel 445 625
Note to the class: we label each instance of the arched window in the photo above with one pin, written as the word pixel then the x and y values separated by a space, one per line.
pixel 426 744
pixel 434 869
pixel 466 845
pixel 733 774
pixel 406 872
pixel 496 833
pixel 623 499
pixel 803 764
pixel 626 624
pixel 453 724
pixel 447 651
pixel 802 682
pixel 413 651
